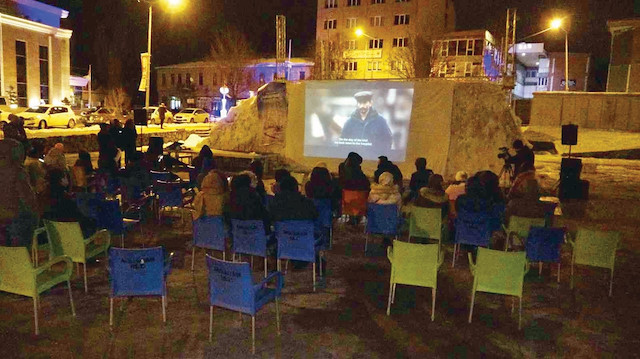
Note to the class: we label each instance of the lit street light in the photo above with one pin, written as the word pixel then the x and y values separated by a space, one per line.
pixel 360 33
pixel 557 24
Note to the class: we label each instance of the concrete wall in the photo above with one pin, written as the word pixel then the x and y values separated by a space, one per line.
pixel 602 110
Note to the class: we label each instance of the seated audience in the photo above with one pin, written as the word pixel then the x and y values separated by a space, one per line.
pixel 55 160
pixel 279 176
pixel 34 164
pixel 245 203
pixel 350 174
pixel 483 196
pixel 385 191
pixel 525 202
pixel 257 168
pixel 458 187
pixel 384 165
pixel 290 204
pixel 420 178
pixel 82 169
pixel 212 198
pixel 203 162
pixel 434 196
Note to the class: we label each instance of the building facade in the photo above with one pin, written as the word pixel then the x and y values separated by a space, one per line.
pixel 34 55
pixel 466 54
pixel 624 62
pixel 394 37
pixel 197 84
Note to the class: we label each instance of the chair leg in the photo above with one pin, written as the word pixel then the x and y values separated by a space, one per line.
pixel 78 268
pixel 278 265
pixel 389 300
pixel 111 311
pixel 86 288
pixel 251 262
pixel 193 254
pixel 314 276
pixel 73 309
pixel 265 267
pixel 286 265
pixel 433 304
pixel 210 323
pixel 455 249
pixel 611 284
pixel 320 264
pixel 539 268
pixel 513 304
pixel 473 298
pixel 520 315
pixel 122 240
pixel 571 281
pixel 393 296
pixel 253 334
pixel 366 243
pixel 277 317
pixel 35 313
pixel 164 312
pixel 224 255
pixel 558 272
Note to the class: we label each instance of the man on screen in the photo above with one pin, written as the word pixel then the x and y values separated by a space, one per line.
pixel 366 124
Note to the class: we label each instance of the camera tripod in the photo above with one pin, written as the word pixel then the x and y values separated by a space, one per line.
pixel 507 172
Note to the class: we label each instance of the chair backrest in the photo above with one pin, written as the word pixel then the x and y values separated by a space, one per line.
pixel 500 272
pixel 230 285
pixel 596 248
pixel 88 203
pixel 543 244
pixel 110 216
pixel 169 194
pixel 415 264
pixel 66 238
pixel 473 228
pixel 249 237
pixel 425 222
pixel 354 203
pixel 296 240
pixel 209 232
pixel 160 176
pixel 382 219
pixel 16 271
pixel 325 214
pixel 131 188
pixel 521 225
pixel 136 272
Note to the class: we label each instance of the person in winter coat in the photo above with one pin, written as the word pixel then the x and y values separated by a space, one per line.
pixel 385 191
pixel 212 198
pixel 434 196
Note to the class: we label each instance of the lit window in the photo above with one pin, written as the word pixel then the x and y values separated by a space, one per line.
pixel 403 0
pixel 400 42
pixel 351 66
pixel 351 45
pixel 330 24
pixel 375 43
pixel 374 66
pixel 402 19
pixel 353 2
pixel 398 65
pixel 376 21
pixel 444 47
pixel 351 22
pixel 470 48
pixel 330 4
pixel 377 1
pixel 467 69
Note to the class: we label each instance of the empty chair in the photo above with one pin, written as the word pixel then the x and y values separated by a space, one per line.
pixel 324 222
pixel 472 228
pixel 65 238
pixel 354 203
pixel 427 223
pixel 543 245
pixel 296 241
pixel 169 196
pixel 160 176
pixel 382 219
pixel 498 272
pixel 231 287
pixel 88 204
pixel 414 264
pixel 249 238
pixel 595 248
pixel 138 272
pixel 111 218
pixel 518 228
pixel 209 233
pixel 18 276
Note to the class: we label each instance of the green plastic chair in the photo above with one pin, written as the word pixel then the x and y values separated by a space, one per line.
pixel 595 248
pixel 18 276
pixel 519 227
pixel 427 223
pixel 65 238
pixel 498 272
pixel 414 264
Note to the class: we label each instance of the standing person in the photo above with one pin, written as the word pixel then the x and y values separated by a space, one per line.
pixel 366 123
pixel 107 150
pixel 523 160
pixel 34 164
pixel 419 178
pixel 162 111
pixel 15 129
pixel 128 138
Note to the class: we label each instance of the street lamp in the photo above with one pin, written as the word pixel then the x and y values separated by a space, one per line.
pixel 224 90
pixel 557 24
pixel 172 4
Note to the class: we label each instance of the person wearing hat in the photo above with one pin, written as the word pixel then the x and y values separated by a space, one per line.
pixel 366 124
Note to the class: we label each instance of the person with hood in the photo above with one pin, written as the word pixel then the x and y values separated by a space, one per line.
pixel 55 160
pixel 15 130
pixel 290 204
pixel 366 123
pixel 18 206
pixel 34 164
pixel 384 165
pixel 385 191
pixel 212 198
pixel 82 170
pixel 434 196
pixel 350 174
pixel 320 184
pixel 245 203
pixel 525 202
pixel 419 178
pixel 279 176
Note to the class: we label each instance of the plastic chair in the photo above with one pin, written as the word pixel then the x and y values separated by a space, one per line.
pixel 427 223
pixel 160 176
pixel 519 228
pixel 208 232
pixel 324 222
pixel 297 242
pixel 65 238
pixel 354 203
pixel 88 204
pixel 543 245
pixel 498 272
pixel 138 272
pixel 18 276
pixel 231 287
pixel 169 196
pixel 595 248
pixel 472 228
pixel 414 264
pixel 111 218
pixel 249 238
pixel 382 219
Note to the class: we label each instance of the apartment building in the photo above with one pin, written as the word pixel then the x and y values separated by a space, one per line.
pixel 624 61
pixel 466 54
pixel 374 39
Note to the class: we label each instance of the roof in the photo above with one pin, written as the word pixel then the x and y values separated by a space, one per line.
pixel 466 34
pixel 623 24
pixel 256 62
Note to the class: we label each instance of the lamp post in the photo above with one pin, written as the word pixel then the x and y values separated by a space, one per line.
pixel 224 90
pixel 557 24
pixel 359 33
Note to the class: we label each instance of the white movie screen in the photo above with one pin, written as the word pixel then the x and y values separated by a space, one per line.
pixel 370 118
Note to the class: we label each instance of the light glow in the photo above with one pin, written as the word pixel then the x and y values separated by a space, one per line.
pixel 556 23
pixel 174 4
pixel 359 32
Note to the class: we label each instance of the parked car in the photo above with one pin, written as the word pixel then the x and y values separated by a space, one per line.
pixel 45 116
pixel 154 116
pixel 103 115
pixel 191 115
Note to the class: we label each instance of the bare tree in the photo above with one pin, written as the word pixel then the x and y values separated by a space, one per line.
pixel 413 60
pixel 118 99
pixel 329 60
pixel 233 60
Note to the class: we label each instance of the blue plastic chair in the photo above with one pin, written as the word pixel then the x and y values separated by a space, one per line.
pixel 472 228
pixel 249 238
pixel 110 218
pixel 231 287
pixel 382 219
pixel 324 222
pixel 138 272
pixel 543 245
pixel 88 204
pixel 160 176
pixel 209 233
pixel 169 195
pixel 296 241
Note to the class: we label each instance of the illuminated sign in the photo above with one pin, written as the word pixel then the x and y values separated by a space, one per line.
pixel 363 54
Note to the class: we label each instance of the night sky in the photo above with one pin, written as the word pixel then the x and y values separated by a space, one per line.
pixel 108 29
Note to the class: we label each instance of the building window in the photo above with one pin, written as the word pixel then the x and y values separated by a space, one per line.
pixel 542 81
pixel 398 65
pixel 374 65
pixel 351 22
pixel 377 2
pixel 330 4
pixel 400 42
pixel 468 69
pixel 452 47
pixel 532 73
pixel 303 75
pixel 402 19
pixel 330 24
pixel 470 48
pixel 187 79
pixel 444 47
pixel 44 73
pixel 376 21
pixel 451 69
pixel 442 70
pixel 164 80
pixel 200 79
pixel 21 72
pixel 403 0
pixel 375 43
pixel 351 45
pixel 351 66
pixel 353 2
pixel 478 47
pixel 179 79
pixel 173 79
